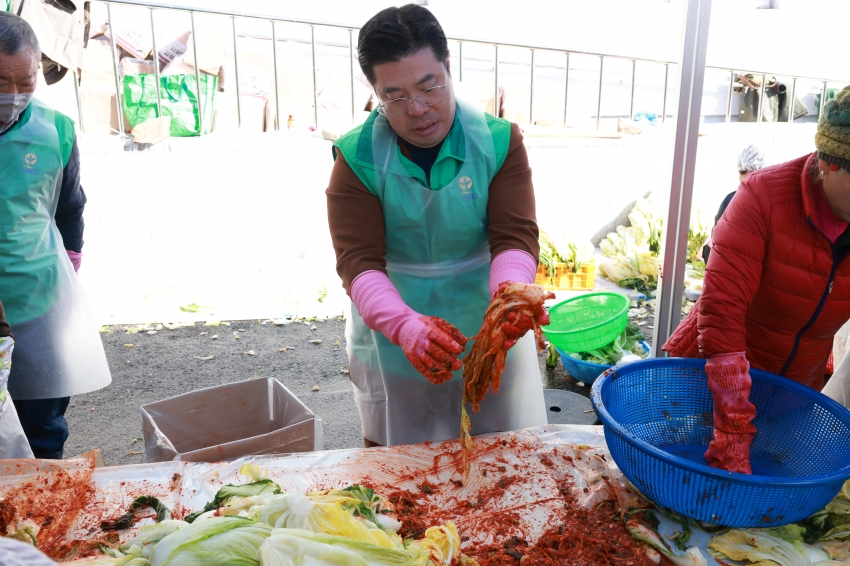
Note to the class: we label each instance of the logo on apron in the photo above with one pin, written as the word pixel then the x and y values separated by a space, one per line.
pixel 30 160
pixel 465 184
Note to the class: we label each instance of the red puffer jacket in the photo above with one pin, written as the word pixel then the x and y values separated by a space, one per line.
pixel 772 286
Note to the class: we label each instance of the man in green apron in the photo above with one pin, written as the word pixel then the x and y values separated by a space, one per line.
pixel 58 352
pixel 431 208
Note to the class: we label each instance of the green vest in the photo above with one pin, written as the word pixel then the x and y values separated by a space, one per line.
pixel 58 351
pixel 438 258
pixel 33 154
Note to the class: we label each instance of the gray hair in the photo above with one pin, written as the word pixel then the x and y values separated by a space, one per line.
pixel 16 36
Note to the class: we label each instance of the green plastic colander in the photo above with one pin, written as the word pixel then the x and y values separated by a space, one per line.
pixel 587 322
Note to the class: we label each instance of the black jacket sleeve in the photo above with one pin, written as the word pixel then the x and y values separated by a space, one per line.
pixel 72 201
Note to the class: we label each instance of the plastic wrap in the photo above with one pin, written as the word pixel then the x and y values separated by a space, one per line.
pixel 538 455
pixel 13 441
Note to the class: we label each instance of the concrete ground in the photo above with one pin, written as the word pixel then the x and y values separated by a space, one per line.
pixel 169 363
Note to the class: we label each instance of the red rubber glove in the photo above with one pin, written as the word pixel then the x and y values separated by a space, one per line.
pixel 517 323
pixel 729 382
pixel 432 346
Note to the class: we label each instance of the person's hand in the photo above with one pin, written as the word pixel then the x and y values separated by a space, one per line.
pixel 432 346
pixel 729 382
pixel 76 259
pixel 518 323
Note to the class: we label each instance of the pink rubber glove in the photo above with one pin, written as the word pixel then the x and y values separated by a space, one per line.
pixel 729 382
pixel 76 259
pixel 508 267
pixel 430 343
pixel 511 265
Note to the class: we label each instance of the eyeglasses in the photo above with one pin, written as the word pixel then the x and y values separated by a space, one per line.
pixel 399 106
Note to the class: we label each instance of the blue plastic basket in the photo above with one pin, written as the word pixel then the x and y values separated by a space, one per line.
pixel 586 372
pixel 658 421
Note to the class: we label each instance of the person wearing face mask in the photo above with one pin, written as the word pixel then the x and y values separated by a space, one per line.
pixel 777 288
pixel 58 352
pixel 431 208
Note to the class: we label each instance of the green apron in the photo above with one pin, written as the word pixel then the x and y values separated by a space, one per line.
pixel 58 351
pixel 439 260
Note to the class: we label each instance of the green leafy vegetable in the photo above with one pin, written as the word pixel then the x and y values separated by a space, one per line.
pixel 783 546
pixel 629 342
pixel 217 541
pixel 261 487
pixel 297 546
pixel 129 518
pixel 684 536
pixel 650 536
pixel 552 357
pixel 631 252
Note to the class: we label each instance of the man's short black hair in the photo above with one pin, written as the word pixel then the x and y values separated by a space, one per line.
pixel 16 35
pixel 396 33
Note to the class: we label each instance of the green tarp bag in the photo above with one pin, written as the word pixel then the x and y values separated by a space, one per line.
pixel 179 101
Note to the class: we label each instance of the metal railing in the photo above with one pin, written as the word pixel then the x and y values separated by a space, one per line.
pixel 733 73
pixel 273 20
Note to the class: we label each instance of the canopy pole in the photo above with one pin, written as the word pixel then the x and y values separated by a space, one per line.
pixel 668 307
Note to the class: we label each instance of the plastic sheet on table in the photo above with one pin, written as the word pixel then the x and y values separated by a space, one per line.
pixel 531 464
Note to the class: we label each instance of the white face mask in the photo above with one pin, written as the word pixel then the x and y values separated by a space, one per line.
pixel 11 107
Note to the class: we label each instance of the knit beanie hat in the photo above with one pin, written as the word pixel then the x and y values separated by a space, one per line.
pixel 833 137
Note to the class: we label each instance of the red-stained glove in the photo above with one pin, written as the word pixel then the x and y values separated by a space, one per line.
pixel 517 323
pixel 432 346
pixel 430 343
pixel 729 382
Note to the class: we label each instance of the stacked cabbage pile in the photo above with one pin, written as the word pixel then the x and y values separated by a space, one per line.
pixel 631 253
pixel 259 524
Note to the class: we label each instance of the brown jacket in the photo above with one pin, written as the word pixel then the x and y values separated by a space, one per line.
pixel 356 216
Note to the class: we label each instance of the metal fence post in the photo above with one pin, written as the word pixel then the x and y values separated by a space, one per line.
pixel 276 84
pixel 599 92
pixel 632 100
pixel 729 97
pixel 496 83
pixel 460 60
pixel 156 68
pixel 197 77
pixel 531 92
pixel 664 102
pixel 566 87
pixel 236 68
pixel 761 97
pixel 691 82
pixel 792 97
pixel 119 106
pixel 77 94
pixel 315 87
pixel 822 100
pixel 351 70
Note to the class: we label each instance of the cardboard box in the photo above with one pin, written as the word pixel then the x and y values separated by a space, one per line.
pixel 257 113
pixel 96 63
pixel 257 416
pixel 100 114
pixel 153 131
pixel 213 38
pixel 135 38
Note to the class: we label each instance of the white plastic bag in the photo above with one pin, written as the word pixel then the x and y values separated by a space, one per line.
pixel 841 344
pixel 13 441
pixel 838 386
